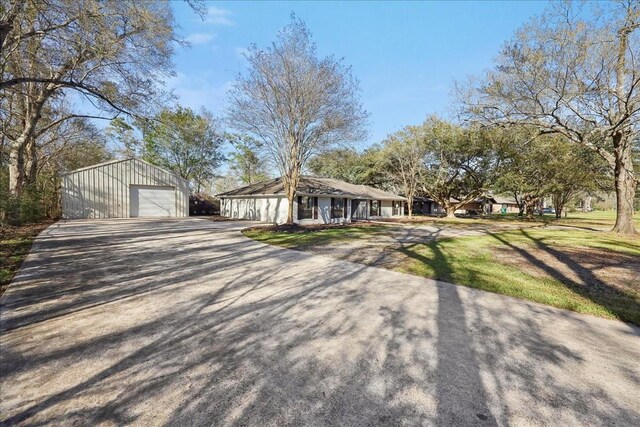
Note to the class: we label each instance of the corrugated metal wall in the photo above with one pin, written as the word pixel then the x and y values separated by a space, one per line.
pixel 102 191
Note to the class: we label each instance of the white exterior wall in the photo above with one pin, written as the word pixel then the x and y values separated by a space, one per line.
pixel 324 213
pixel 386 209
pixel 102 191
pixel 266 209
pixel 274 210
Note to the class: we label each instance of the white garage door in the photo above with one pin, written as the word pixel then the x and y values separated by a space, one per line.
pixel 147 200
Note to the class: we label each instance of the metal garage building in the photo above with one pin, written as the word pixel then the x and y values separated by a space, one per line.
pixel 123 189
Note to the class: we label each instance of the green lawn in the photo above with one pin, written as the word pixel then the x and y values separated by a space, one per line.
pixel 596 219
pixel 548 266
pixel 15 244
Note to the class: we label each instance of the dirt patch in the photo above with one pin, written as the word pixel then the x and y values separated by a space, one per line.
pixel 15 243
pixel 602 271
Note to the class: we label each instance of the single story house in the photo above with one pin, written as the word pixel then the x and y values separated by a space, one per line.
pixel 491 204
pixel 318 201
pixel 427 206
pixel 509 204
pixel 123 189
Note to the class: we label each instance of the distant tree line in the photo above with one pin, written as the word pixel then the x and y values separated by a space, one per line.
pixel 454 165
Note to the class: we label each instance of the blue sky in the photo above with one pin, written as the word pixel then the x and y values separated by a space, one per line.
pixel 405 54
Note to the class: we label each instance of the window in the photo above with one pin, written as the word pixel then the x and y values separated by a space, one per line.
pixel 397 208
pixel 338 208
pixel 376 205
pixel 307 207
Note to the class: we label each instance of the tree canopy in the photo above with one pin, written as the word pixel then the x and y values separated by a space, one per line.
pixel 184 142
pixel 573 71
pixel 112 54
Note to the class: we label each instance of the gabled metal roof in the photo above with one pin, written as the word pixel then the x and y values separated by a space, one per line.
pixel 129 159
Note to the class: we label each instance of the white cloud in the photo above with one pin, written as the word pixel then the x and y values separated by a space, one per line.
pixel 200 38
pixel 218 16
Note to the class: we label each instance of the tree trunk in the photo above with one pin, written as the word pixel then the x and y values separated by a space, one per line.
pixel 290 185
pixel 19 146
pixel 622 145
pixel 625 187
pixel 30 162
pixel 520 203
pixel 558 201
pixel 529 214
pixel 290 198
pixel 410 206
pixel 450 210
pixel 16 168
pixel 530 207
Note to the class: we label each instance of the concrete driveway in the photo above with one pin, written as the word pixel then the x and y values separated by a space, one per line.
pixel 187 322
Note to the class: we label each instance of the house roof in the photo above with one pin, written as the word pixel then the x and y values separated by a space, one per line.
pixel 313 186
pixel 454 200
pixel 504 200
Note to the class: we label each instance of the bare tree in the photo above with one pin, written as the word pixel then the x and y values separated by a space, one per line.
pixel 404 153
pixel 575 76
pixel 295 103
pixel 112 54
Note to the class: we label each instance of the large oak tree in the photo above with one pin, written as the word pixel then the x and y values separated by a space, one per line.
pixel 459 163
pixel 574 71
pixel 111 54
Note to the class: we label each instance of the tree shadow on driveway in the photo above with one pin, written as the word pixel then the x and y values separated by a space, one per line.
pixel 207 327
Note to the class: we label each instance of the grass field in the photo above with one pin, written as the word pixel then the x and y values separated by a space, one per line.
pixel 595 219
pixel 574 268
pixel 15 243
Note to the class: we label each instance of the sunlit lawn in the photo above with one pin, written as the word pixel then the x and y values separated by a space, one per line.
pixel 597 219
pixel 509 262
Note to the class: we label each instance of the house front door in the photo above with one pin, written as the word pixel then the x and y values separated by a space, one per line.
pixel 358 209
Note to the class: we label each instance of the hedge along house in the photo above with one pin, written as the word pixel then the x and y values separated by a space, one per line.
pixel 123 189
pixel 318 201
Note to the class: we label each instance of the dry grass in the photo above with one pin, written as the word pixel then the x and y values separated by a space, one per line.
pixel 15 243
